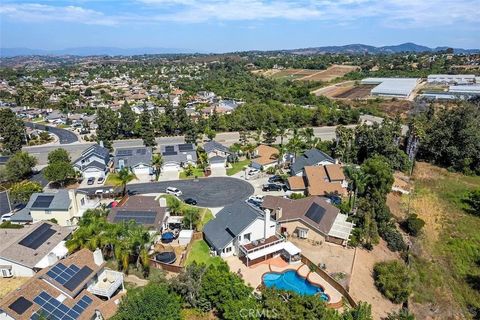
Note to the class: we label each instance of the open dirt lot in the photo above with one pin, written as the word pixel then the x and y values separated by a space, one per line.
pixel 359 92
pixel 333 72
pixel 362 285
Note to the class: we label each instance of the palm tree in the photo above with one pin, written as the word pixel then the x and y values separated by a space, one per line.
pixel 124 176
pixel 157 162
pixel 282 133
pixel 307 134
pixel 357 183
pixel 295 144
pixel 174 205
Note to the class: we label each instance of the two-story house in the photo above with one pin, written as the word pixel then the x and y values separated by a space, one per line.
pixel 93 162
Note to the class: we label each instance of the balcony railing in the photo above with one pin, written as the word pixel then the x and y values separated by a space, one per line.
pixel 273 240
pixel 106 285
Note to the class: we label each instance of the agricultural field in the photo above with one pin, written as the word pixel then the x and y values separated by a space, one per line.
pixel 358 92
pixel 332 73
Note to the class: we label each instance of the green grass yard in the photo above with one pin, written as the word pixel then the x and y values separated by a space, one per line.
pixel 237 167
pixel 200 253
pixel 197 172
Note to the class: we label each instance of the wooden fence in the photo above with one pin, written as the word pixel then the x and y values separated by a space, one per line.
pixel 330 281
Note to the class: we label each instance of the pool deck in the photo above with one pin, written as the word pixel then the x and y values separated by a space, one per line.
pixel 253 275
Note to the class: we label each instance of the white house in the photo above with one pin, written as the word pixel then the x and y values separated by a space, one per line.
pixel 93 162
pixel 25 251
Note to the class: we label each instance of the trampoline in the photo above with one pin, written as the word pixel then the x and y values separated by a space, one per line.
pixel 166 257
pixel 168 237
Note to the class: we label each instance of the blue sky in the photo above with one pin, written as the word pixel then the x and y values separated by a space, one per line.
pixel 230 25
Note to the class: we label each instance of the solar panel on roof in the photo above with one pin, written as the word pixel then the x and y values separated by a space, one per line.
pixel 315 212
pixel 42 202
pixel 38 236
pixel 124 153
pixel 51 308
pixel 78 278
pixel 185 147
pixel 70 277
pixel 169 153
pixel 140 217
pixel 20 305
pixel 169 148
pixel 142 151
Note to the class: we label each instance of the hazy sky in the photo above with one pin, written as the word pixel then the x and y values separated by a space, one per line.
pixel 219 26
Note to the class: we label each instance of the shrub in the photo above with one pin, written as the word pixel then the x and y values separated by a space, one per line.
pixel 392 279
pixel 393 238
pixel 413 225
pixel 295 196
pixel 473 202
pixel 10 225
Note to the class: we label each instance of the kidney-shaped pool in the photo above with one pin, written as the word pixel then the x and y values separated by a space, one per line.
pixel 292 281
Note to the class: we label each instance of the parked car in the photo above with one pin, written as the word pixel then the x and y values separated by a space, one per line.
pixel 272 187
pixel 100 180
pixel 90 181
pixel 257 198
pixel 173 191
pixel 191 201
pixel 254 203
pixel 275 178
pixel 253 172
pixel 6 217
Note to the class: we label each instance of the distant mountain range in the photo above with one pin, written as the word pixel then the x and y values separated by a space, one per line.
pixel 112 51
pixel 90 51
pixel 362 49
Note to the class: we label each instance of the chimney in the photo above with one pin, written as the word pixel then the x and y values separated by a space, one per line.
pixel 101 143
pixel 98 257
pixel 278 213
pixel 266 233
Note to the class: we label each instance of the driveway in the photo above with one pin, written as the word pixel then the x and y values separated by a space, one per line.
pixel 209 192
pixel 64 136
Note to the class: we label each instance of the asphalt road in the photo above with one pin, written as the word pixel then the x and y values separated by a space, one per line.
pixel 209 192
pixel 41 152
pixel 64 136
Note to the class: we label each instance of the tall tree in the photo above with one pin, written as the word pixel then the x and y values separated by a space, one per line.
pixel 157 163
pixel 107 122
pixel 21 191
pixel 124 176
pixel 58 155
pixel 146 128
pixel 20 165
pixel 127 120
pixel 12 131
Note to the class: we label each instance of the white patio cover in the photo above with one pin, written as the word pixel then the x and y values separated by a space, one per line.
pixel 287 246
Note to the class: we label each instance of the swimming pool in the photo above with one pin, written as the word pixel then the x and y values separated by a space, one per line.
pixel 291 280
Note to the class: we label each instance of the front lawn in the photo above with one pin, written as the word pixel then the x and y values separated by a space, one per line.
pixel 200 253
pixel 206 215
pixel 112 180
pixel 197 172
pixel 237 167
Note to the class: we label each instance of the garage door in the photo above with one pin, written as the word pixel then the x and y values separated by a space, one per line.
pixel 94 174
pixel 217 165
pixel 171 167
pixel 145 170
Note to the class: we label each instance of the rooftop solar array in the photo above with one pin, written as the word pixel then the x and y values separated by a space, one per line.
pixel 51 308
pixel 124 153
pixel 315 213
pixel 38 236
pixel 169 148
pixel 142 151
pixel 185 147
pixel 169 153
pixel 140 217
pixel 70 277
pixel 42 202
pixel 20 305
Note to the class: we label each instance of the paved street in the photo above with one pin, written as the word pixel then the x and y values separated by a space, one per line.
pixel 64 136
pixel 209 192
pixel 41 152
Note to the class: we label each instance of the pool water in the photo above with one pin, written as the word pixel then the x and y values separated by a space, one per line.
pixel 290 280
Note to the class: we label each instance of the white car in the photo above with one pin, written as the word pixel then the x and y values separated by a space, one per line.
pixel 6 217
pixel 257 198
pixel 174 191
pixel 253 172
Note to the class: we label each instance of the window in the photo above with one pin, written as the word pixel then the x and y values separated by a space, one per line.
pixel 5 273
pixel 246 236
pixel 302 233
pixel 227 249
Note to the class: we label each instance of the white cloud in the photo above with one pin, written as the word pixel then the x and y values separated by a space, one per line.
pixel 33 12
pixel 387 13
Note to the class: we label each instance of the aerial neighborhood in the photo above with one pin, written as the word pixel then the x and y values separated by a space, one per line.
pixel 195 186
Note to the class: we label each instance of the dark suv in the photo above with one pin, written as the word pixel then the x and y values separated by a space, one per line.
pixel 272 187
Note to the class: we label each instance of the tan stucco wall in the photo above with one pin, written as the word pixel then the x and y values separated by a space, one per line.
pixel 312 234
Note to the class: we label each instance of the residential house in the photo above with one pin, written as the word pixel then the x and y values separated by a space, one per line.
pixel 61 206
pixel 178 156
pixel 312 157
pixel 138 159
pixel 249 233
pixel 312 218
pixel 320 181
pixel 93 162
pixel 77 287
pixel 149 212
pixel 264 157
pixel 25 251
pixel 217 153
